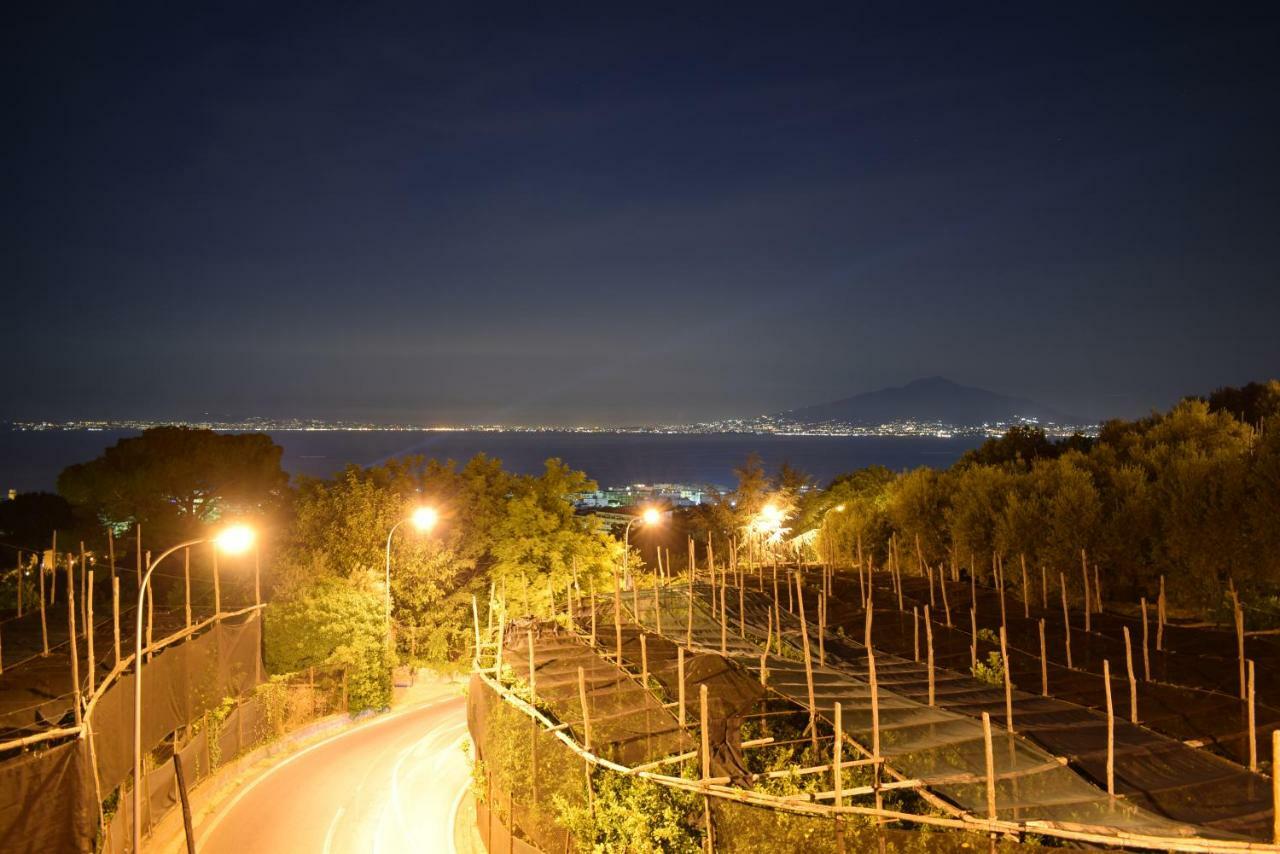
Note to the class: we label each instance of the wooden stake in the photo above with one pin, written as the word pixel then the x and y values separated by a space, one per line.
pixel 702 727
pixel 617 618
pixel 1146 655
pixel 808 668
pixel 1253 726
pixel 1044 664
pixel 837 751
pixel 1088 604
pixel 644 661
pixel 533 674
pixel 1133 682
pixel 928 640
pixel 724 624
pixel 138 556
pixel 1097 589
pixel 1008 683
pixel 71 633
pixel 90 659
pixel 990 766
pixel 680 677
pixel 915 634
pixel 1026 599
pixel 20 583
pixel 973 647
pixel 115 615
pixel 186 804
pixel 1066 618
pixel 945 604
pixel 44 624
pixel 1160 617
pixel 586 714
pixel 1044 589
pixel 1111 731
pixel 1240 648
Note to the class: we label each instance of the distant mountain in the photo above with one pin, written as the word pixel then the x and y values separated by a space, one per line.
pixel 931 399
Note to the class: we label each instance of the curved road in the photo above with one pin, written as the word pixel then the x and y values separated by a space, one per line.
pixel 390 785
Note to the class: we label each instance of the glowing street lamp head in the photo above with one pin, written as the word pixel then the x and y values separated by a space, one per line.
pixel 651 516
pixel 235 539
pixel 839 508
pixel 424 518
pixel 770 513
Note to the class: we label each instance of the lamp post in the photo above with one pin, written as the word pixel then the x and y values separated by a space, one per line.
pixel 424 519
pixel 233 540
pixel 650 516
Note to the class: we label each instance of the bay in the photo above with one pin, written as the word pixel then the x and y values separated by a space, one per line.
pixel 31 460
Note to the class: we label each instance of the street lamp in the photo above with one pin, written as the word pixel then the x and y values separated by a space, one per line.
pixel 423 519
pixel 234 539
pixel 650 516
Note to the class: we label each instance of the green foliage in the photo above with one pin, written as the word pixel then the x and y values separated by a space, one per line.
pixel 633 814
pixel 334 622
pixel 177 477
pixel 992 670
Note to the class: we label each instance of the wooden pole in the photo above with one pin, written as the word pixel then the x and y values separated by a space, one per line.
pixel 1111 730
pixel 90 659
pixel 703 731
pixel 862 590
pixel 1146 655
pixel 990 766
pixel 1160 617
pixel 973 647
pixel 1044 664
pixel 657 606
pixel 644 661
pixel 1026 599
pixel 1088 604
pixel 808 668
pixel 1044 589
pixel 257 576
pixel 1133 682
pixel 1000 582
pixel 1008 683
pixel 115 615
pixel 44 624
pixel 680 677
pixel 942 582
pixel 617 618
pixel 84 590
pixel 186 804
pixel 822 630
pixel 586 714
pixel 1253 726
pixel 1097 589
pixel 688 629
pixel 724 624
pixel 837 773
pixel 915 634
pixel 151 600
pixel 217 583
pixel 1275 786
pixel 20 583
pixel 71 633
pixel 533 673
pixel 1239 615
pixel 53 572
pixel 928 640
pixel 1066 618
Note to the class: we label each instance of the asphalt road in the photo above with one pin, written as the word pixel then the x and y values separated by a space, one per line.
pixel 389 785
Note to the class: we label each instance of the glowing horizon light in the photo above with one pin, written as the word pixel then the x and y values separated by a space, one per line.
pixel 424 518
pixel 235 539
pixel 651 516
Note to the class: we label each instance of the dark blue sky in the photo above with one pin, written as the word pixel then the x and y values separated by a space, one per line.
pixel 417 212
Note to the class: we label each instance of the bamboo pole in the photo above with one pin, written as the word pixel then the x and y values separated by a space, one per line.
pixel 1146 655
pixel 1066 618
pixel 1000 583
pixel 764 670
pixel 724 623
pixel 84 580
pixel 1111 730
pixel 1097 588
pixel 1133 682
pixel 1044 664
pixel 837 772
pixel 586 714
pixel 680 677
pixel 862 590
pixel 875 717
pixel 688 629
pixel 990 757
pixel 822 630
pixel 1253 726
pixel 71 635
pixel 1008 683
pixel 928 640
pixel 657 608
pixel 1044 589
pixel 90 659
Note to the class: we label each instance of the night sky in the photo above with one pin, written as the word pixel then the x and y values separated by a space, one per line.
pixel 457 213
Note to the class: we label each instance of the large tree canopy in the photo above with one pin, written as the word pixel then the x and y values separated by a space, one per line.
pixel 179 476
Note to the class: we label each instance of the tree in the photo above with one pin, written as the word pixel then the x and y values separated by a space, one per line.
pixel 28 520
pixel 179 478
